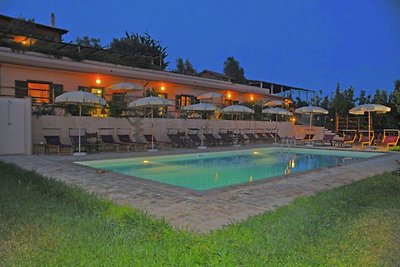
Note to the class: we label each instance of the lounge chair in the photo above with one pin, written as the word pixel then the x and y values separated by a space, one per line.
pixel 194 139
pixel 252 138
pixel 176 140
pixel 53 141
pixel 390 137
pixel 126 139
pixel 85 145
pixel 211 140
pixel 156 144
pixel 349 137
pixel 327 139
pixel 366 139
pixel 226 138
pixel 240 138
pixel 107 140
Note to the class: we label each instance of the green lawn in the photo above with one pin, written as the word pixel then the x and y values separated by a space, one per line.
pixel 46 223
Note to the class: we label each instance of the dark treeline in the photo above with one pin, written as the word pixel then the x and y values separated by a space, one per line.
pixel 342 100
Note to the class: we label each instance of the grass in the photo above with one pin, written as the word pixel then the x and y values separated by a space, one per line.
pixel 47 223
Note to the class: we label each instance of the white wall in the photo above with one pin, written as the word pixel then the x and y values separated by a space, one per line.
pixel 15 126
pixel 140 126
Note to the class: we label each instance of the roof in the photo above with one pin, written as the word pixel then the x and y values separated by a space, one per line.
pixel 35 59
pixel 275 87
pixel 217 74
pixel 59 30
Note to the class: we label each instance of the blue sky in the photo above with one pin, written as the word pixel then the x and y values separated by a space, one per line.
pixel 311 44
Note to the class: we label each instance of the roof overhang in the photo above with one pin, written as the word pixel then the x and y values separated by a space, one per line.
pixel 34 59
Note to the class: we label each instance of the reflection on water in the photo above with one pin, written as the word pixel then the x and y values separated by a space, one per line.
pixel 213 170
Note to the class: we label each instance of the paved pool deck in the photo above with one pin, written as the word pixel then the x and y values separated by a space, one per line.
pixel 190 210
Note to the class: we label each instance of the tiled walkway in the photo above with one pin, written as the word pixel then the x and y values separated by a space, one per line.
pixel 193 211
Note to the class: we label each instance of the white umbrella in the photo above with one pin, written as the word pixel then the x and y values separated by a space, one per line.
pixel 125 86
pixel 276 112
pixel 80 98
pixel 201 107
pixel 274 103
pixel 209 95
pixel 150 102
pixel 361 109
pixel 237 110
pixel 311 110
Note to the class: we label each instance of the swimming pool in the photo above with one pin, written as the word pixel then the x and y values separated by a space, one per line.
pixel 204 171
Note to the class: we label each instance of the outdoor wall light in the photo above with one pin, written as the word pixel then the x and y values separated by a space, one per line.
pixel 98 81
pixel 228 95
pixel 251 98
pixel 162 88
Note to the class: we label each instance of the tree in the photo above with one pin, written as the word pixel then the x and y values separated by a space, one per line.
pixel 142 50
pixel 189 70
pixel 185 67
pixel 88 42
pixel 363 99
pixel 394 99
pixel 180 66
pixel 232 69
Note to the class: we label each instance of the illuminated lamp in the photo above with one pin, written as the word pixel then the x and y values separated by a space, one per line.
pixel 162 88
pixel 98 81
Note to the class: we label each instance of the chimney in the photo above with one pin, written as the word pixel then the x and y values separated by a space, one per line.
pixel 52 20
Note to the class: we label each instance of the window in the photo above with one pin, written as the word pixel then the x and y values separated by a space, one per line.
pixel 229 102
pixel 97 91
pixel 162 95
pixel 40 92
pixel 185 100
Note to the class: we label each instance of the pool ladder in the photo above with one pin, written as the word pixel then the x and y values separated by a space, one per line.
pixel 288 141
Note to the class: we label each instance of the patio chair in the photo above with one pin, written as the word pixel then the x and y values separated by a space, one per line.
pixel 85 145
pixel 156 144
pixel 240 138
pixel 349 137
pixel 211 140
pixel 327 139
pixel 252 138
pixel 390 137
pixel 366 139
pixel 226 138
pixel 176 140
pixel 107 140
pixel 126 139
pixel 53 141
pixel 193 138
pixel 93 139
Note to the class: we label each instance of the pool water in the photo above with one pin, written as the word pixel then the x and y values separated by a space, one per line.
pixel 204 171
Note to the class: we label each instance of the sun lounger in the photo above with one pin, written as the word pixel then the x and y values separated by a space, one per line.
pixel 107 140
pixel 176 140
pixel 53 141
pixel 366 139
pixel 390 137
pixel 211 140
pixel 126 139
pixel 226 138
pixel 252 138
pixel 327 139
pixel 85 145
pixel 156 144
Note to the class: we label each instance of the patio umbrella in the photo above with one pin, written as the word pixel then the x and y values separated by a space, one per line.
pixel 150 102
pixel 80 98
pixel 209 95
pixel 274 103
pixel 202 107
pixel 361 109
pixel 277 111
pixel 237 110
pixel 311 110
pixel 125 87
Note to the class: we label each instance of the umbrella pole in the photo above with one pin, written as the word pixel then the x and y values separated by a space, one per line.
pixel 79 128
pixel 369 129
pixel 152 129
pixel 276 128
pixel 309 135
